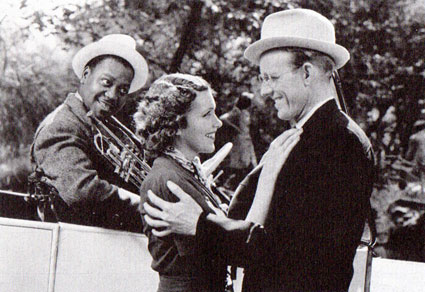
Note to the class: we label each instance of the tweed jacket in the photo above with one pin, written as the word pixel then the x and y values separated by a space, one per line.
pixel 63 150
pixel 318 209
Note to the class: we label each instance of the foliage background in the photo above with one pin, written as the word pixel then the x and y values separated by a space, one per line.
pixel 383 82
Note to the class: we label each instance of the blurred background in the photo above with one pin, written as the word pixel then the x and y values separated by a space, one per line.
pixel 383 84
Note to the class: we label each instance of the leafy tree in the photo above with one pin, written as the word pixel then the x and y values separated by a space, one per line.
pixel 383 82
pixel 33 82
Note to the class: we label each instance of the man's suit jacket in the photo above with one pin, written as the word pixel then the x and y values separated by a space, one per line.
pixel 318 209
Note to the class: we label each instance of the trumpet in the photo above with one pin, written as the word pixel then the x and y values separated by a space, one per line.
pixel 121 148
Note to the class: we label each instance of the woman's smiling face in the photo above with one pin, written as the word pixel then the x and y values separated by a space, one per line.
pixel 202 124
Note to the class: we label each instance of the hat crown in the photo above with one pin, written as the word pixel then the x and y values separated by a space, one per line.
pixel 121 39
pixel 120 45
pixel 298 23
pixel 300 28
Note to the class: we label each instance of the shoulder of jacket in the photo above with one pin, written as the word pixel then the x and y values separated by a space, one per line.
pixel 355 135
pixel 51 117
pixel 162 170
pixel 166 168
pixel 62 119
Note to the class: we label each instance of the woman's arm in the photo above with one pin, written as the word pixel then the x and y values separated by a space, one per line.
pixel 272 162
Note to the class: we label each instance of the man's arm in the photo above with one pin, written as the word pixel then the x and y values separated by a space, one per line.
pixel 62 152
pixel 209 231
pixel 182 217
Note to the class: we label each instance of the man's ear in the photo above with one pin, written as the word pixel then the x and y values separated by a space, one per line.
pixel 86 73
pixel 308 72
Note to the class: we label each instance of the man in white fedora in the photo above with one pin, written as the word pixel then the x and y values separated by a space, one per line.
pixel 83 189
pixel 315 213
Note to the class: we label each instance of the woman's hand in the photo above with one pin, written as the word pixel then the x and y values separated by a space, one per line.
pixel 279 150
pixel 272 162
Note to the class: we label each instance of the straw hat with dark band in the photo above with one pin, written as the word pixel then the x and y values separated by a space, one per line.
pixel 301 28
pixel 120 45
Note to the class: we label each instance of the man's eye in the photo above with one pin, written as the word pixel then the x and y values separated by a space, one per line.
pixel 123 91
pixel 207 114
pixel 267 78
pixel 106 82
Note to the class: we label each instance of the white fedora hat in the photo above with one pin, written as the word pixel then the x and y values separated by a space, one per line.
pixel 120 45
pixel 301 28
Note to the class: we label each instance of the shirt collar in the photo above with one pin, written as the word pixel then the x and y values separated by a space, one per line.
pixel 193 166
pixel 302 122
pixel 179 157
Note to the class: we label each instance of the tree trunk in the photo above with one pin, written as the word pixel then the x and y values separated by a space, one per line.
pixel 134 4
pixel 187 35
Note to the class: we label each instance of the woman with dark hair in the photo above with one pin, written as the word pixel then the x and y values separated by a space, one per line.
pixel 176 122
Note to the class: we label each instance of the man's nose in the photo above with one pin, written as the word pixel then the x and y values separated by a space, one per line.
pixel 266 91
pixel 112 93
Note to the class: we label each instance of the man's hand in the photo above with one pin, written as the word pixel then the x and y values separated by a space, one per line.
pixel 180 218
pixel 126 195
pixel 227 223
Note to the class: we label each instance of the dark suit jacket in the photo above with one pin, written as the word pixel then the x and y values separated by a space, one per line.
pixel 318 209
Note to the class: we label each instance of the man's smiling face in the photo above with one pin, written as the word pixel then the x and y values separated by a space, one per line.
pixel 104 88
pixel 284 84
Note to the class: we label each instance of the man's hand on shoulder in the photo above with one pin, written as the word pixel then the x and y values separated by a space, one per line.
pixel 179 218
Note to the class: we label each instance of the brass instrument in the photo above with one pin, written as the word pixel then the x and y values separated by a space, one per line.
pixel 124 153
pixel 128 157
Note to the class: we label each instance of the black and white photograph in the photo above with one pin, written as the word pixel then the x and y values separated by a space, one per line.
pixel 212 146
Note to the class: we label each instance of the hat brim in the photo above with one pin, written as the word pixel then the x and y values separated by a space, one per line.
pixel 95 49
pixel 338 53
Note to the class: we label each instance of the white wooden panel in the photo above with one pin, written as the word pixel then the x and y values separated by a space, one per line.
pixel 36 256
pixel 95 259
pixel 237 283
pixel 25 255
pixel 359 265
pixel 397 276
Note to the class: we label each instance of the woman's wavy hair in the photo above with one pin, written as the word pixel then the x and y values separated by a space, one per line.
pixel 161 112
